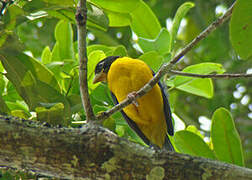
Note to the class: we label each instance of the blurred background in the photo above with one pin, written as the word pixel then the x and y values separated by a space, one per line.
pixel 233 94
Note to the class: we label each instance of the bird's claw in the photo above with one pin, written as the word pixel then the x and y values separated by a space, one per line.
pixel 132 96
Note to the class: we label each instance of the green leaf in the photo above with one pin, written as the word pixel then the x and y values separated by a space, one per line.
pixel 225 138
pixel 93 58
pixel 46 55
pixel 34 6
pixel 117 19
pixel 120 6
pixel 2 83
pixel 20 114
pixel 194 130
pixel 54 115
pixel 101 95
pixel 18 105
pixel 198 86
pixel 75 103
pixel 160 44
pixel 153 59
pixel 97 18
pixel 11 93
pixel 241 28
pixel 56 52
pixel 12 18
pixel 32 80
pixel 144 22
pixel 109 123
pixel 180 14
pixel 201 68
pixel 64 3
pixel 120 51
pixel 63 14
pixel 108 50
pixel 4 108
pixel 140 17
pixel 64 38
pixel 190 143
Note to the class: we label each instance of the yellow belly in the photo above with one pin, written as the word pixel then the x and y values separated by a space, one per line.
pixel 128 75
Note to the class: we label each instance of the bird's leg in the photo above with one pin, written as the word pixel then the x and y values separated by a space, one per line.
pixel 131 96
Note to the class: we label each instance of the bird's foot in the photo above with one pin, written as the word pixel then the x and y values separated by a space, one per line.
pixel 132 96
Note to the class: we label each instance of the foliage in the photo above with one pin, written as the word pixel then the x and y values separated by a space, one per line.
pixel 39 66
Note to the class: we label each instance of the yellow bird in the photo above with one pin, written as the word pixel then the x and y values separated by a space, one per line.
pixel 150 115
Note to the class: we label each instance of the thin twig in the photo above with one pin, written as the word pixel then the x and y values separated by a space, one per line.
pixel 81 18
pixel 165 68
pixel 180 73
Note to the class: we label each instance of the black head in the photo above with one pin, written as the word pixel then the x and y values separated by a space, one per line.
pixel 102 68
pixel 105 64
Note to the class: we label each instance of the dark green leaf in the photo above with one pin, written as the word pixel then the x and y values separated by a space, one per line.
pixel 33 81
pixel 11 19
pixel 241 28
pixel 4 108
pixel 75 103
pixel 54 115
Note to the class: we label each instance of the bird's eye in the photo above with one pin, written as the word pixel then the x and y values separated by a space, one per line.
pixel 99 68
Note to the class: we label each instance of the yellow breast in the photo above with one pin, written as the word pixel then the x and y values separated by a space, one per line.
pixel 128 75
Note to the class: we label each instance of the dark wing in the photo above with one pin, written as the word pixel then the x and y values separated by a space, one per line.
pixel 167 110
pixel 131 123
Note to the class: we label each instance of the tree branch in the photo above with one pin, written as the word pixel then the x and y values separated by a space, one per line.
pixel 180 73
pixel 165 68
pixel 81 18
pixel 93 152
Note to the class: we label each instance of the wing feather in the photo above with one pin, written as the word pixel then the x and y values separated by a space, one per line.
pixel 131 123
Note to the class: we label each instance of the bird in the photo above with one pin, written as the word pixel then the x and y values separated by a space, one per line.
pixel 150 115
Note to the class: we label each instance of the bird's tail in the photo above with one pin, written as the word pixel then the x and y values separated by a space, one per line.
pixel 168 145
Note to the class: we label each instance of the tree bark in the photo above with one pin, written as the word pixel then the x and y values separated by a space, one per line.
pixel 93 152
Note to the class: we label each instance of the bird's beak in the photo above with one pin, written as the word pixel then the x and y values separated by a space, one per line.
pixel 100 77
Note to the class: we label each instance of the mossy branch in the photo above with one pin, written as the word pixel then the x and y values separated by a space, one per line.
pixel 92 152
